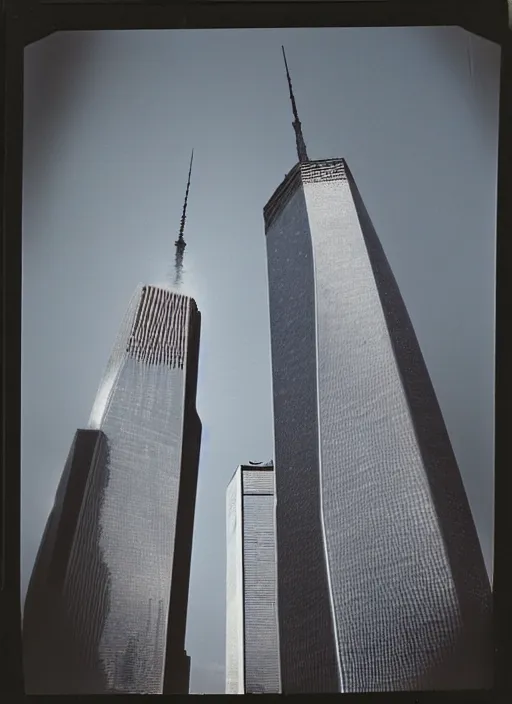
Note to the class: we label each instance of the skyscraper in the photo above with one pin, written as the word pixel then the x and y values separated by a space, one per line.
pixel 69 591
pixel 107 601
pixel 252 641
pixel 381 580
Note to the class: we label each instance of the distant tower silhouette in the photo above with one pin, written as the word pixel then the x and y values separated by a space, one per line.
pixel 180 243
pixel 297 126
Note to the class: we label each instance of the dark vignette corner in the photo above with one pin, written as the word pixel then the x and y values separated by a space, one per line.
pixel 11 183
pixel 25 21
pixel 503 388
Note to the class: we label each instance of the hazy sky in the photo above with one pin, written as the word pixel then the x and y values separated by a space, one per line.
pixel 110 120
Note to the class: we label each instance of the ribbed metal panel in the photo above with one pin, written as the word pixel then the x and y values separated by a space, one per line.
pixel 235 680
pixel 260 589
pixel 152 340
pixel 252 639
pixel 405 612
pixel 260 481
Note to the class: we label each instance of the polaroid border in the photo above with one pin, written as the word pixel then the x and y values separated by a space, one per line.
pixel 23 22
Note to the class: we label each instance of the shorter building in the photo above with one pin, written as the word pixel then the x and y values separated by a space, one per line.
pixel 68 596
pixel 252 639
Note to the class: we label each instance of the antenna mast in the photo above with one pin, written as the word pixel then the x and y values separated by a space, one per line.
pixel 299 139
pixel 180 243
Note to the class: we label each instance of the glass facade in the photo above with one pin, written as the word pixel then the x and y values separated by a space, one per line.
pixel 382 584
pixel 252 641
pixel 141 521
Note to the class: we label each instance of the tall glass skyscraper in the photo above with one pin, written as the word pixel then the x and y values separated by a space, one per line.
pixel 252 641
pixel 381 580
pixel 107 602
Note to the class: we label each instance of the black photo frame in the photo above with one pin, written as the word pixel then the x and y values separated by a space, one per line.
pixel 27 21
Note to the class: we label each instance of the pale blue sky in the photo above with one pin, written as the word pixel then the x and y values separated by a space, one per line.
pixel 110 119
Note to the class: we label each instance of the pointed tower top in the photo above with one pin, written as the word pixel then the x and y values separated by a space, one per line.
pixel 180 241
pixel 299 139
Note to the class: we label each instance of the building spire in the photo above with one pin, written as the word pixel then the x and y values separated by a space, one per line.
pixel 180 243
pixel 299 139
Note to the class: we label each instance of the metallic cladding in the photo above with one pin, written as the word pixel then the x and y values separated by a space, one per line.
pixel 470 663
pixel 144 421
pixel 258 481
pixel 408 592
pixel 307 646
pixel 260 582
pixel 127 565
pixel 235 683
pixel 252 640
